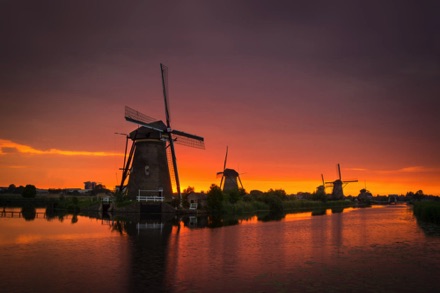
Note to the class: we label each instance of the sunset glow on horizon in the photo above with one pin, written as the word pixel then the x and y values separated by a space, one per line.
pixel 292 88
pixel 45 168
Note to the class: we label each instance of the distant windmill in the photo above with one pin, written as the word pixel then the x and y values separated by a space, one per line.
pixel 338 185
pixel 321 188
pixel 229 177
pixel 151 164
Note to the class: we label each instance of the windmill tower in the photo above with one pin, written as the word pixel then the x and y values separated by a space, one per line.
pixel 338 185
pixel 151 165
pixel 229 177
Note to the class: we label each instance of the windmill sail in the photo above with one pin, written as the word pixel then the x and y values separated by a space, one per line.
pixel 164 71
pixel 187 139
pixel 137 117
pixel 224 168
pixel 172 172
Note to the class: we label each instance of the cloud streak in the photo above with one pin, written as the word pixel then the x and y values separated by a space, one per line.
pixel 10 147
pixel 411 169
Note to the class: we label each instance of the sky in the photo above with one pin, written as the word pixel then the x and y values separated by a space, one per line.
pixel 293 88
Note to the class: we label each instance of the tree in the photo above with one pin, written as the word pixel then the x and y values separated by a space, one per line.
pixel 274 202
pixel 234 196
pixel 280 193
pixel 419 195
pixel 215 199
pixel 11 188
pixel 29 191
pixel 188 190
pixel 19 189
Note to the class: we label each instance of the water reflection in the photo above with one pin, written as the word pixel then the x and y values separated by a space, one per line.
pixel 337 210
pixel 319 212
pixel 28 213
pixel 350 250
pixel 270 216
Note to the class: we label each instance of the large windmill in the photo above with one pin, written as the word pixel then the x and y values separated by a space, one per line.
pixel 338 185
pixel 229 177
pixel 151 165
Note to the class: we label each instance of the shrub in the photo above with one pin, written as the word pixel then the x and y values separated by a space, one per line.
pixel 215 199
pixel 274 202
pixel 29 191
pixel 234 196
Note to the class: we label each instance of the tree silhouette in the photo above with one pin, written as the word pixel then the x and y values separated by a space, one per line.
pixel 29 191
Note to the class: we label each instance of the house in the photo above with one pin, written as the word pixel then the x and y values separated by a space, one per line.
pixel 199 198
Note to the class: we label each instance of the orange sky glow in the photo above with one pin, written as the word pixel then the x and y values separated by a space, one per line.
pixel 55 168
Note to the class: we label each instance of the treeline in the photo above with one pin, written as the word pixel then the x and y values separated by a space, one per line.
pixel 273 200
pixel 419 195
pixel 31 191
pixel 28 191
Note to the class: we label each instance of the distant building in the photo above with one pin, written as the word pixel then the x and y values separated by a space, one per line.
pixel 199 198
pixel 89 185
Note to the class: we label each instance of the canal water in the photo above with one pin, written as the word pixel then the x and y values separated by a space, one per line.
pixel 378 249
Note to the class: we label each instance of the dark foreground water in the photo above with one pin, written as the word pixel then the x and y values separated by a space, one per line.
pixel 380 249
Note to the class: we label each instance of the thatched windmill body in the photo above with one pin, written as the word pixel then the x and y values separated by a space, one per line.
pixel 230 177
pixel 338 185
pixel 151 164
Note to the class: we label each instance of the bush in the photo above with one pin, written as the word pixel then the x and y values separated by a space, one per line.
pixel 274 202
pixel 215 199
pixel 29 191
pixel 234 196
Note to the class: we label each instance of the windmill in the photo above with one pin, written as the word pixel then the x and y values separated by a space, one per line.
pixel 229 177
pixel 321 188
pixel 151 165
pixel 338 185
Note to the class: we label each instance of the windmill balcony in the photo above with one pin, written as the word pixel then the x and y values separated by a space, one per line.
pixel 153 198
pixel 150 198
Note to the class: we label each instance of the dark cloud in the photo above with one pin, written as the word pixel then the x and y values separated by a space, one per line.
pixel 379 58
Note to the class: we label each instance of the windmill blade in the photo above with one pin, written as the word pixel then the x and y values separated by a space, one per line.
pixel 226 158
pixel 241 184
pixel 172 172
pixel 164 72
pixel 127 167
pixel 137 117
pixel 188 139
pixel 144 124
pixel 219 173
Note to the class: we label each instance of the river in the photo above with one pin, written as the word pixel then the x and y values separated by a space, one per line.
pixel 378 249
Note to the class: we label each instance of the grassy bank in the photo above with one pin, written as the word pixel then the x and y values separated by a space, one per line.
pixel 254 206
pixel 427 211
pixel 56 202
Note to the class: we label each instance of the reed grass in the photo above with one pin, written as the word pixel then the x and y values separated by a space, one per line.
pixel 427 211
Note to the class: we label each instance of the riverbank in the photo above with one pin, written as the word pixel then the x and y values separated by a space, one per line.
pixel 427 211
pixel 93 204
